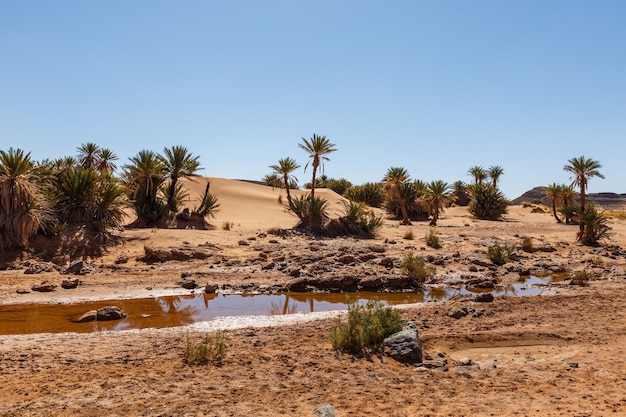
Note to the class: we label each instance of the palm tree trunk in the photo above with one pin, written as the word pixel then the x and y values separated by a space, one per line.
pixel 313 182
pixel 554 212
pixel 172 192
pixel 405 215
pixel 581 224
pixel 286 179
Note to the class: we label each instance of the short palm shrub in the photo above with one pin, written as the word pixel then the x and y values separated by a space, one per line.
pixel 415 268
pixel 311 212
pixel 432 239
pixel 581 278
pixel 370 193
pixel 488 202
pixel 500 254
pixel 367 326
pixel 208 204
pixel 209 349
pixel 527 244
pixel 595 224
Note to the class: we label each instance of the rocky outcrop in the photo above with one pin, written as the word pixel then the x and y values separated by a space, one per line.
pixel 108 313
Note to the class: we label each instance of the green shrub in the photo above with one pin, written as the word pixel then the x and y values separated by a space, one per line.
pixel 409 235
pixel 581 278
pixel 370 193
pixel 488 202
pixel 207 350
pixel 311 212
pixel 368 325
pixel 432 239
pixel 499 254
pixel 595 224
pixel 415 268
pixel 527 244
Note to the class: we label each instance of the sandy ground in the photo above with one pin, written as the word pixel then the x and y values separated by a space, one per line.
pixel 558 354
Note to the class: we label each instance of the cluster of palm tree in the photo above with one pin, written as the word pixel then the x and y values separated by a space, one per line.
pixel 52 195
pixel 561 198
pixel 153 184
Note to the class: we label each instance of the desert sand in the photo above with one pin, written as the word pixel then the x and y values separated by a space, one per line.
pixel 560 353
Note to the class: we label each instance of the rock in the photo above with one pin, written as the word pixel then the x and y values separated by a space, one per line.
pixel 121 260
pixel 39 268
pixel 457 314
pixel 297 284
pixel 79 268
pixel 377 249
pixel 23 291
pixel 88 316
pixel 467 368
pixel 44 287
pixel 70 283
pixel 268 266
pixel 243 243
pixel 188 284
pixel 387 262
pixel 110 313
pixel 185 274
pixel 211 288
pixel 346 259
pixel 481 283
pixel 481 262
pixel 484 298
pixel 404 346
pixel 325 410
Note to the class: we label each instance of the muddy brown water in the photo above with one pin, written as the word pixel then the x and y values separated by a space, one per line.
pixel 181 310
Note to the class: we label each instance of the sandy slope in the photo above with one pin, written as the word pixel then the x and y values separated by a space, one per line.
pixel 552 355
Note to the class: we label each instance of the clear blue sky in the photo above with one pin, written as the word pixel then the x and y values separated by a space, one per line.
pixel 432 86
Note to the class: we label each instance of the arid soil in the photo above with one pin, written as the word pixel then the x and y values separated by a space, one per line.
pixel 557 354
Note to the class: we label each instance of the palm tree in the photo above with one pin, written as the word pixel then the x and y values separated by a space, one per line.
pixel 438 195
pixel 583 168
pixel 143 177
pixel 554 194
pixel 495 172
pixel 394 179
pixel 178 163
pixel 317 147
pixel 22 208
pixel 284 168
pixel 104 161
pixel 88 155
pixel 461 195
pixel 478 173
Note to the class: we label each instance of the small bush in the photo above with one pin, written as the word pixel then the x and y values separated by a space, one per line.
pixel 415 268
pixel 581 278
pixel 432 239
pixel 527 244
pixel 207 350
pixel 227 225
pixel 276 231
pixel 499 254
pixel 367 327
pixel 409 235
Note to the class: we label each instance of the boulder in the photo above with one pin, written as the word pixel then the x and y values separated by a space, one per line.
pixel 44 287
pixel 188 284
pixel 70 283
pixel 404 346
pixel 88 316
pixel 110 313
pixel 211 288
pixel 484 298
pixel 39 268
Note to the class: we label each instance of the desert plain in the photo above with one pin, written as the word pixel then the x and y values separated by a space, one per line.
pixel 559 353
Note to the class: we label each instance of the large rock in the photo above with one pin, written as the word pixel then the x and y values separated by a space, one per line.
pixel 404 346
pixel 110 313
pixel 44 287
pixel 39 268
pixel 79 268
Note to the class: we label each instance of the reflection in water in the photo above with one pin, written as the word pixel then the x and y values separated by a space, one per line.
pixel 182 310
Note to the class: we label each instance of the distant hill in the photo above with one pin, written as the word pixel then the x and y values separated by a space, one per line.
pixel 608 201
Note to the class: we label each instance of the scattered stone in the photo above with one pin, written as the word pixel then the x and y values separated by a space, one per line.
pixel 79 268
pixel 23 291
pixel 387 262
pixel 404 346
pixel 188 284
pixel 325 410
pixel 39 268
pixel 457 314
pixel 484 298
pixel 243 243
pixel 186 274
pixel 346 259
pixel 211 288
pixel 467 368
pixel 44 287
pixel 70 283
pixel 121 260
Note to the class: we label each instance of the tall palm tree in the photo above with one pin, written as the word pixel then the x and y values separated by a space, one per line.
pixel 583 168
pixel 438 195
pixel 178 163
pixel 495 172
pixel 317 147
pixel 22 208
pixel 284 168
pixel 554 194
pixel 393 181
pixel 104 161
pixel 88 155
pixel 478 173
